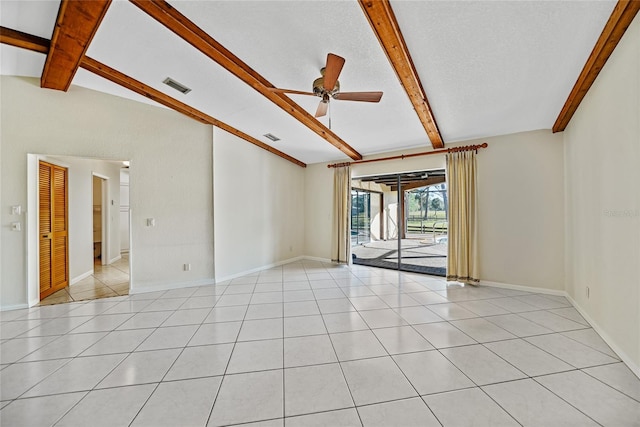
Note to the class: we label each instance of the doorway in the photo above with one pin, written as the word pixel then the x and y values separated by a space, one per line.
pixel 97 246
pixel 100 209
pixel 413 235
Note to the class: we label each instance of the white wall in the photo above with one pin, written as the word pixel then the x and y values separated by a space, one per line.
pixel 259 206
pixel 171 171
pixel 521 209
pixel 377 219
pixel 81 215
pixel 390 215
pixel 318 207
pixel 602 168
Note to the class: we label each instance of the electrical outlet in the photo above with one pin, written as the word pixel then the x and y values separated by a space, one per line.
pixel 587 292
pixel 186 267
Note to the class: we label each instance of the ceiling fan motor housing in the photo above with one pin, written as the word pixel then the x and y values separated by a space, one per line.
pixel 319 90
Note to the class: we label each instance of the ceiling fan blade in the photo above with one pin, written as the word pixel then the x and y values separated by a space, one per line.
pixel 359 96
pixel 295 92
pixel 332 71
pixel 322 108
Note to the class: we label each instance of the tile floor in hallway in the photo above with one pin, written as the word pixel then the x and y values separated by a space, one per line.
pixel 310 344
pixel 106 281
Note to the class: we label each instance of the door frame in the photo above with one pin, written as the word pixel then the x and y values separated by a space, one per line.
pixel 32 266
pixel 105 259
pixel 33 219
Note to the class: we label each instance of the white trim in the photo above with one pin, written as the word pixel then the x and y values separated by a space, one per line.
pixel 33 218
pixel 33 243
pixel 257 269
pixel 524 288
pixel 105 216
pixel 13 307
pixel 130 251
pixel 607 339
pixel 150 287
pixel 118 258
pixel 81 277
pixel 315 258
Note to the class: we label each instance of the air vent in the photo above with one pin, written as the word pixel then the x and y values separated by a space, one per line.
pixel 272 137
pixel 177 86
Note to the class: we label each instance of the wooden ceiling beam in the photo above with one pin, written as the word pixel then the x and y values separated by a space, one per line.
pixel 76 25
pixel 385 26
pixel 140 88
pixel 39 44
pixel 24 40
pixel 180 25
pixel 620 19
pixel 424 183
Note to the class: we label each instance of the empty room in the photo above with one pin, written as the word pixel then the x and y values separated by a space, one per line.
pixel 319 213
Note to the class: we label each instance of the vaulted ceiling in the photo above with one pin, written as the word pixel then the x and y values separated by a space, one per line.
pixel 480 68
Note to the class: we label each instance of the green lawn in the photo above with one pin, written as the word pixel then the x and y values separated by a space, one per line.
pixel 414 223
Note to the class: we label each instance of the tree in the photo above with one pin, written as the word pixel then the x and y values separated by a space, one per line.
pixel 443 187
pixel 436 204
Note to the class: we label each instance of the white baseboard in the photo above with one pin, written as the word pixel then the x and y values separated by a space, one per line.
pixel 315 258
pixel 124 252
pixel 151 287
pixel 625 358
pixel 13 307
pixel 257 269
pixel 606 337
pixel 111 261
pixel 81 277
pixel 523 288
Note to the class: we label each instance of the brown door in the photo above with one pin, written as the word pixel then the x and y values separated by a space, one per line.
pixel 54 239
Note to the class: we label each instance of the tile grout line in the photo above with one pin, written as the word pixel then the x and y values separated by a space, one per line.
pixel 174 361
pixel 344 377
pixel 224 374
pixel 342 289
pixel 564 400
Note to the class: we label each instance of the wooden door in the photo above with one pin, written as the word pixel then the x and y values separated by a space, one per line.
pixel 54 238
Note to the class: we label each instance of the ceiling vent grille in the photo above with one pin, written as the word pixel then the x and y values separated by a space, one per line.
pixel 272 137
pixel 177 86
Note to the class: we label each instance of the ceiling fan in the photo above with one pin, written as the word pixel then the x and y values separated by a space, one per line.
pixel 327 86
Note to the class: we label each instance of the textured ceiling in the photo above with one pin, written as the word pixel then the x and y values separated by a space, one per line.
pixel 488 67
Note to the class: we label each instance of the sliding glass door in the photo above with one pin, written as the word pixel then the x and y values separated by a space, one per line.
pixel 424 239
pixel 412 222
pixel 360 217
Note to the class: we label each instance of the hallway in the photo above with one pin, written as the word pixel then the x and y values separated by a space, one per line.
pixel 107 281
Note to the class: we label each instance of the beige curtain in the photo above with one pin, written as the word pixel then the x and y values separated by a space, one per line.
pixel 462 255
pixel 341 240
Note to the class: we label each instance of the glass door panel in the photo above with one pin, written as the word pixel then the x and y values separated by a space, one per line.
pixel 424 239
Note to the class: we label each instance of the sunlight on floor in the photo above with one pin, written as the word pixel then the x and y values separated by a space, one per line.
pixel 107 281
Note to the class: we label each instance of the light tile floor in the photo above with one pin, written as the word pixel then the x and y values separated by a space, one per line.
pixel 106 281
pixel 313 344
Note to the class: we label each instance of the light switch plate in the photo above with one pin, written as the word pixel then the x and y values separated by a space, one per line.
pixel 16 210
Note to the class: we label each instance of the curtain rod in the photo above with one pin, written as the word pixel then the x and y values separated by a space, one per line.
pixel 406 156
